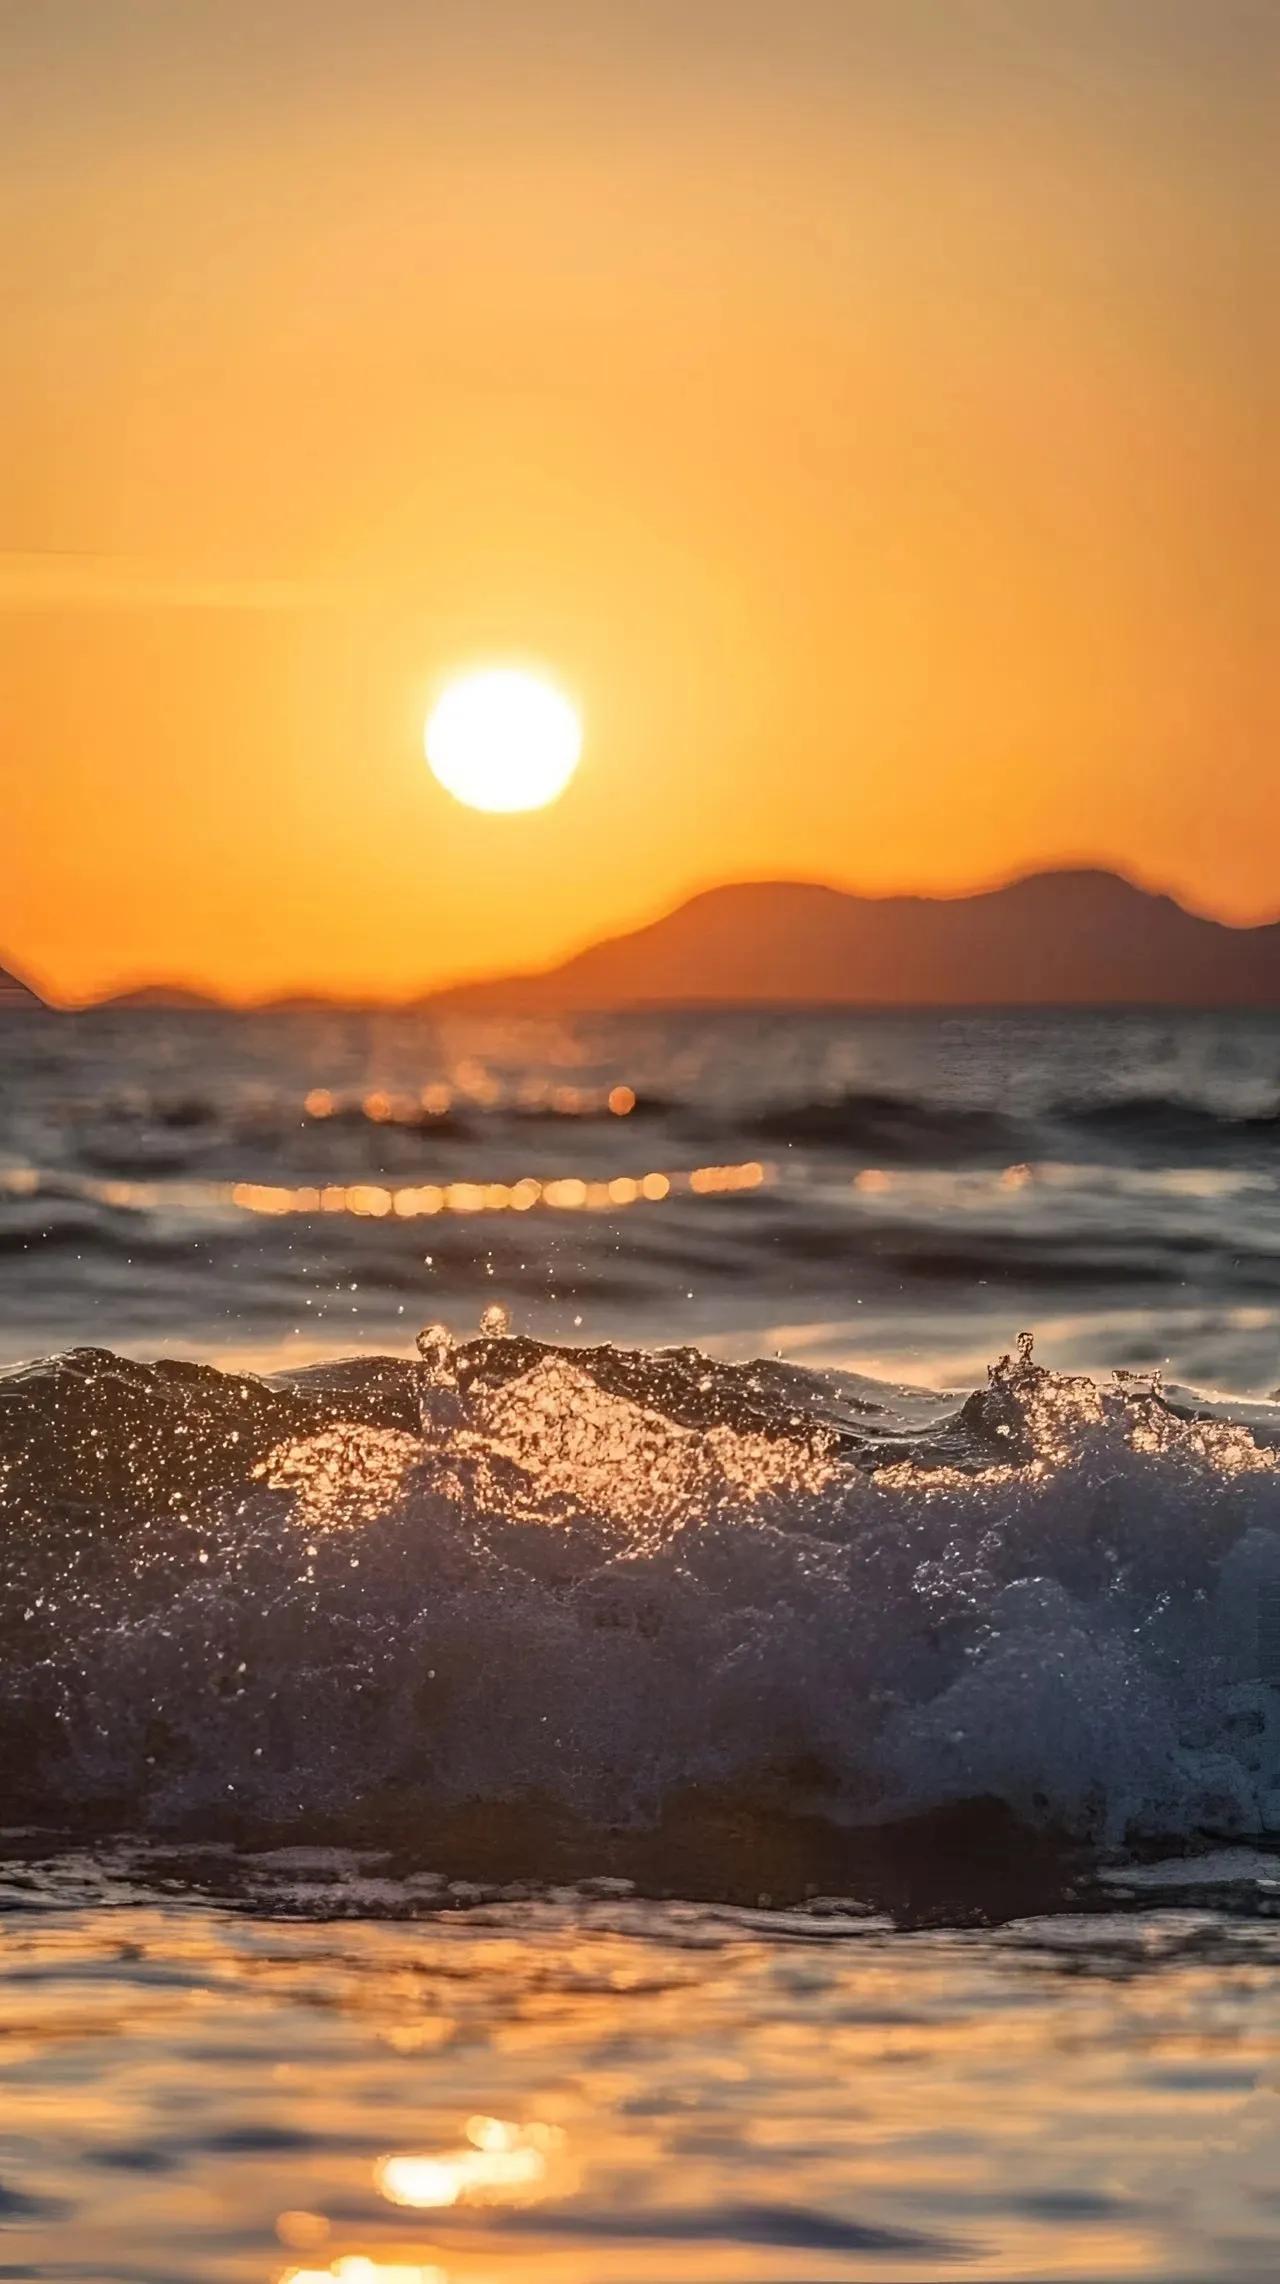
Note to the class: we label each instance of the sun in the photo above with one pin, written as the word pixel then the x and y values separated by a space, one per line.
pixel 503 740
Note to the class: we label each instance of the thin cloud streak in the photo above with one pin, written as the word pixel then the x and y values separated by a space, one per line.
pixel 56 580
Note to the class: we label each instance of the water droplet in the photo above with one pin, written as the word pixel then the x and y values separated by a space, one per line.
pixel 435 1347
pixel 440 1405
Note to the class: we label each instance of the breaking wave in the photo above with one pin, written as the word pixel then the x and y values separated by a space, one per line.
pixel 905 1129
pixel 602 1590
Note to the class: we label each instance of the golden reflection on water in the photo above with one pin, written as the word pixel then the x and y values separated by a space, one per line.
pixel 1093 2101
pixel 354 2268
pixel 502 2163
pixel 531 1096
pixel 545 1446
pixel 567 1193
pixel 303 2231
pixel 347 1473
pixel 406 1201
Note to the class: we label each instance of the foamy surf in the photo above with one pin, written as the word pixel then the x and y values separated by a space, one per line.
pixel 606 1593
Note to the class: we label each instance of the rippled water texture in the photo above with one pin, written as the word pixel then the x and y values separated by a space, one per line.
pixel 736 1770
pixel 587 2090
pixel 899 1192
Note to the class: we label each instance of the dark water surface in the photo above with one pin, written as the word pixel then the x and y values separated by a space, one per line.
pixel 897 1192
pixel 711 1775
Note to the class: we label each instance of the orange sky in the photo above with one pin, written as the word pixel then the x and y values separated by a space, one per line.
pixel 859 404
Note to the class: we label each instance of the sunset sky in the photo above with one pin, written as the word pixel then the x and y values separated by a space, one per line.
pixel 858 405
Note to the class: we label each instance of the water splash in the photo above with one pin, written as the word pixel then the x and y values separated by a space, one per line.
pixel 441 1405
pixel 595 1580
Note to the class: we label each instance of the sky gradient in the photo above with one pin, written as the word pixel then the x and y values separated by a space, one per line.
pixel 860 405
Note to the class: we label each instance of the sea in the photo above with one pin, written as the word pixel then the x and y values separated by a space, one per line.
pixel 639 1647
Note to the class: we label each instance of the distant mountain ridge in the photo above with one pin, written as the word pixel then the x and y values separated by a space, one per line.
pixel 14 993
pixel 1077 937
pixel 171 998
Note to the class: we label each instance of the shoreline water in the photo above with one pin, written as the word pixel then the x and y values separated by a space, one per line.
pixel 588 1597
pixel 668 1807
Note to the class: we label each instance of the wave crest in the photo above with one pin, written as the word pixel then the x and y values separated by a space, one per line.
pixel 615 1581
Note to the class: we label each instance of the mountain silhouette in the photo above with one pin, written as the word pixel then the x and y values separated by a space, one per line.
pixel 167 998
pixel 14 993
pixel 1072 937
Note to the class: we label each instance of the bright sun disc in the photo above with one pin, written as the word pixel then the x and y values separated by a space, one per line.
pixel 503 740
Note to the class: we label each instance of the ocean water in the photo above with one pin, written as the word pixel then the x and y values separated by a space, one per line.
pixel 910 1189
pixel 639 1648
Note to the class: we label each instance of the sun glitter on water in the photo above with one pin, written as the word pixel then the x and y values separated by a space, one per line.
pixel 503 740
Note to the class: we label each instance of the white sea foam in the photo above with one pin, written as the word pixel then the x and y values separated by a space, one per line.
pixel 1068 1600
